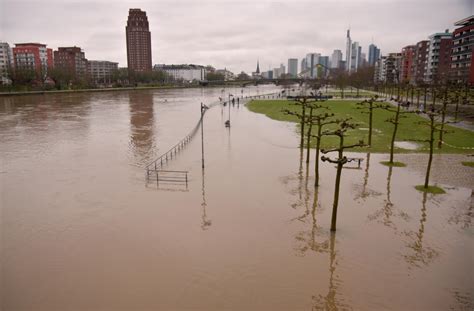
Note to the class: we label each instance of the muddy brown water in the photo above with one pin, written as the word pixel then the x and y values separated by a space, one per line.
pixel 81 230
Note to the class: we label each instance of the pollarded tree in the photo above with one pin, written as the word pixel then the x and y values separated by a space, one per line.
pixel 311 121
pixel 304 102
pixel 434 126
pixel 344 126
pixel 395 120
pixel 369 105
pixel 320 121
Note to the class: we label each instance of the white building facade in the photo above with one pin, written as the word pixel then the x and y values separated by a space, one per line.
pixel 184 72
pixel 6 62
pixel 101 71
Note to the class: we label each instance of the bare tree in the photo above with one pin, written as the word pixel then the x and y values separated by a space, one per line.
pixel 434 126
pixel 320 121
pixel 395 120
pixel 344 126
pixel 369 105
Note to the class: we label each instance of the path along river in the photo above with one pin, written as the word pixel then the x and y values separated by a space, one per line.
pixel 80 229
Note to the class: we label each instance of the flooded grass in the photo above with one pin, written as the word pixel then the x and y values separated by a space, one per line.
pixel 408 130
pixel 393 164
pixel 430 189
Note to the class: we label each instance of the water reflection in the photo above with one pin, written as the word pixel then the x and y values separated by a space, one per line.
pixel 142 126
pixel 365 192
pixel 308 240
pixel 206 223
pixel 331 301
pixel 421 254
pixel 386 213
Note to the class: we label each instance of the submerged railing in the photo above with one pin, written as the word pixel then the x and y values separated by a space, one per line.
pixel 157 165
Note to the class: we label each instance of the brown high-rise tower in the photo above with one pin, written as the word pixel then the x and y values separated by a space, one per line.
pixel 138 41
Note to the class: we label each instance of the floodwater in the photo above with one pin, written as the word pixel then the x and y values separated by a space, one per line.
pixel 82 230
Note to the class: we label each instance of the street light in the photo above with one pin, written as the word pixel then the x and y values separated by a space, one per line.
pixel 227 123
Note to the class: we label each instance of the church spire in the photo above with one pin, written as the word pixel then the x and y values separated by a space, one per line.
pixel 258 67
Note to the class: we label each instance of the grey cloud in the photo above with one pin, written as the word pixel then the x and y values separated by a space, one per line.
pixel 229 33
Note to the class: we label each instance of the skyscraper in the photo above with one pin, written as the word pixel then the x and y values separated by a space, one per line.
pixel 323 70
pixel 312 59
pixel 348 50
pixel 336 58
pixel 355 58
pixel 293 67
pixel 138 41
pixel 374 54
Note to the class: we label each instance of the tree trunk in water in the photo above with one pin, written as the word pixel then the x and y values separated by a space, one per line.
pixel 394 135
pixel 430 159
pixel 336 197
pixel 316 161
pixel 336 188
pixel 308 139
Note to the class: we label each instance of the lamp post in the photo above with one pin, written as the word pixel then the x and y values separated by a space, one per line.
pixel 227 123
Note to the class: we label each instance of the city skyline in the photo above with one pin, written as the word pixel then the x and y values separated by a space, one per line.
pixel 220 34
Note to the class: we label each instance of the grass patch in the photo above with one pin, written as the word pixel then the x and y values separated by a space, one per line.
pixel 470 164
pixel 408 129
pixel 430 189
pixel 394 164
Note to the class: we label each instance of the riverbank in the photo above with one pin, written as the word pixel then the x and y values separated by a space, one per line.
pixel 113 89
pixel 456 141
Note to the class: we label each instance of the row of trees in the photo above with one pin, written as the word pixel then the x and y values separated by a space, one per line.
pixel 314 115
pixel 61 79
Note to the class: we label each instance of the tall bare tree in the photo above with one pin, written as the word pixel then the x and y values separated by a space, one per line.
pixel 344 126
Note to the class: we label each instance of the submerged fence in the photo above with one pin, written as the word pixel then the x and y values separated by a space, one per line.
pixel 156 165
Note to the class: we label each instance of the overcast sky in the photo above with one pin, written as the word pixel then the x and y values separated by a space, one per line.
pixel 228 33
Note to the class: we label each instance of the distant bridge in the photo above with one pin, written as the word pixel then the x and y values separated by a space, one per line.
pixel 244 83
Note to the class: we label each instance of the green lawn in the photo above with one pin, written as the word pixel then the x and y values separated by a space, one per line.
pixel 407 130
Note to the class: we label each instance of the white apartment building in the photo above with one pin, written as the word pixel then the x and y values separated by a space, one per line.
pixel 6 62
pixel 100 71
pixel 228 75
pixel 184 72
pixel 437 43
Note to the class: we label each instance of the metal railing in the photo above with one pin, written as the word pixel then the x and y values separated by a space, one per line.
pixel 166 176
pixel 158 164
